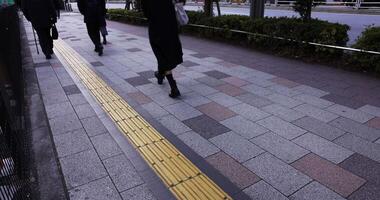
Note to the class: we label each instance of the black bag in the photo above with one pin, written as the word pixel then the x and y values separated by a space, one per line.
pixel 54 32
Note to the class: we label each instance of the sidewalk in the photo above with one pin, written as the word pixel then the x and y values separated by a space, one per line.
pixel 263 126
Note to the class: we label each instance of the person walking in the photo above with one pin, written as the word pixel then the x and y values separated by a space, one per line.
pixel 164 40
pixel 128 4
pixel 94 12
pixel 43 15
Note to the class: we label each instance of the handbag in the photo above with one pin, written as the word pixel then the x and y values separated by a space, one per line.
pixel 54 32
pixel 181 15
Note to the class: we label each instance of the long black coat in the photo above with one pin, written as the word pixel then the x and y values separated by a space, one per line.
pixel 42 13
pixel 163 33
pixel 93 15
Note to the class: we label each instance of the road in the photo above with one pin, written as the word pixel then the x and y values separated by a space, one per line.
pixel 357 22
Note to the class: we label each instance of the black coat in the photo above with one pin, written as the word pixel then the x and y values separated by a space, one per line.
pixel 95 15
pixel 163 33
pixel 42 13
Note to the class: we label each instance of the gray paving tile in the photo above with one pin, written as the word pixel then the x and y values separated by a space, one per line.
pixel 281 127
pixel 155 110
pixel 243 127
pixel 206 127
pixel 284 90
pixel 102 189
pixel 174 125
pixel 373 110
pixel 188 63
pixel 319 128
pixel 210 81
pixel 60 109
pixel 249 112
pixel 359 145
pixel 64 124
pixel 280 175
pixel 356 128
pixel 122 173
pixel 77 99
pixel 283 112
pixel 72 142
pixel 200 145
pixel 284 100
pixel 141 192
pixel 54 98
pixel 316 113
pixel 283 149
pixel 324 148
pixel 105 146
pixel 315 101
pixel 254 100
pixel 236 146
pixel 183 111
pixel 217 74
pixel 223 99
pixel 84 111
pixel 161 98
pixel 350 113
pixel 260 82
pixel 71 89
pixel 138 80
pixel 263 191
pixel 315 191
pixel 311 91
pixel 82 168
pixel 194 99
pixel 150 89
pixel 93 126
pixel 203 89
pixel 257 90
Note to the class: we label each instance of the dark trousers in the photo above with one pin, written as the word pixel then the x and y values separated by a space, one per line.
pixel 93 31
pixel 46 41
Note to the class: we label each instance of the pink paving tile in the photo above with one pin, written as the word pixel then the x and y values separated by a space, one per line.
pixel 374 123
pixel 233 170
pixel 216 111
pixel 285 82
pixel 235 81
pixel 329 174
pixel 140 97
pixel 230 90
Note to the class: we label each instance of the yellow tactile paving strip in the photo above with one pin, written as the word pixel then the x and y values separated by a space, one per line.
pixel 179 174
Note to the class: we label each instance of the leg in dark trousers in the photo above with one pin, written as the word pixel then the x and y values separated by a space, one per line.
pixel 46 41
pixel 94 33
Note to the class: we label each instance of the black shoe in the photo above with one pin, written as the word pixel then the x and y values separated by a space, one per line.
pixel 104 41
pixel 51 52
pixel 96 49
pixel 100 52
pixel 160 78
pixel 48 57
pixel 174 93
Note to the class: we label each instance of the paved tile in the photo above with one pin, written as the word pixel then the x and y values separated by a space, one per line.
pixel 71 89
pixel 361 146
pixel 210 81
pixel 324 148
pixel 278 174
pixel 356 128
pixel 93 126
pixel 257 90
pixel 254 100
pixel 84 111
pixel 283 112
pixel 206 127
pixel 373 110
pixel 263 191
pixel 195 99
pixel 102 189
pixel 82 168
pixel 349 113
pixel 281 127
pixel 316 113
pixel 223 99
pixel 150 89
pixel 283 149
pixel 344 101
pixel 141 192
pixel 97 64
pixel 315 101
pixel 368 191
pixel 316 191
pixel 284 82
pixel 232 143
pixel 77 99
pixel 136 81
pixel 155 110
pixel 332 176
pixel 72 142
pixel 249 112
pixel 243 127
pixel 105 146
pixel 122 173
pixel 237 82
pixel 188 63
pixel 64 124
pixel 311 91
pixel 60 109
pixel 216 111
pixel 284 100
pixel 54 98
pixel 234 171
pixel 140 97
pixel 203 89
pixel 183 111
pixel 262 82
pixel 217 74
pixel 374 123
pixel 319 128
pixel 279 89
pixel 200 145
pixel 174 125
pixel 163 99
pixel 230 90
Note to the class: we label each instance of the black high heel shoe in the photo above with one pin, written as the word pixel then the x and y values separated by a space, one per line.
pixel 160 77
pixel 174 93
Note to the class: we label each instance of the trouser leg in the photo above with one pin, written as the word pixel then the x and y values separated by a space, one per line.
pixel 94 33
pixel 45 39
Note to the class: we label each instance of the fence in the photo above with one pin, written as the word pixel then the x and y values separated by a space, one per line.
pixel 353 3
pixel 14 165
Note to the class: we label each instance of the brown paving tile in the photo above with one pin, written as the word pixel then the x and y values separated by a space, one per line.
pixel 216 111
pixel 285 82
pixel 237 173
pixel 235 81
pixel 140 97
pixel 374 123
pixel 230 90
pixel 329 174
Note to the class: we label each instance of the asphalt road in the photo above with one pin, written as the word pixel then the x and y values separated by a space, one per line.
pixel 357 22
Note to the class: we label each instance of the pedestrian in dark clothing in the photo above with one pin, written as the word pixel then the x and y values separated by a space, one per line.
pixel 94 12
pixel 164 39
pixel 42 14
pixel 128 4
